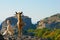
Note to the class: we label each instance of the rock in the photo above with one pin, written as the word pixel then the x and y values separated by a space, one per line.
pixel 50 22
pixel 13 21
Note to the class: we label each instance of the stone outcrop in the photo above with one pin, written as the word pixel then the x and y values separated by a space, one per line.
pixel 13 21
pixel 41 25
pixel 50 22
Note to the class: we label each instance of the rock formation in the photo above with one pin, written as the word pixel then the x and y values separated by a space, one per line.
pixel 50 22
pixel 9 30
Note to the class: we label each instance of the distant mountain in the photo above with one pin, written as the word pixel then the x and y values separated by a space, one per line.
pixel 13 21
pixel 50 22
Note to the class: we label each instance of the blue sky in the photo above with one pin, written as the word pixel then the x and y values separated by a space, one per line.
pixel 36 9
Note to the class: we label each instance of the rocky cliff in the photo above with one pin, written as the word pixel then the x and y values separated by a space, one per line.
pixel 50 22
pixel 13 21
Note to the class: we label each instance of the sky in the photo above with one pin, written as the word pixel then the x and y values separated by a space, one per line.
pixel 35 9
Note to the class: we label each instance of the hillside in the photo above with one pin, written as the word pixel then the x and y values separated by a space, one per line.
pixel 50 22
pixel 13 21
pixel 43 30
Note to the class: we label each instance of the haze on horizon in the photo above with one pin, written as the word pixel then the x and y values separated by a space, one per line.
pixel 36 9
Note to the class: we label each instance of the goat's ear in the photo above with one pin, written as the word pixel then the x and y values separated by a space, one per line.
pixel 21 12
pixel 16 12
